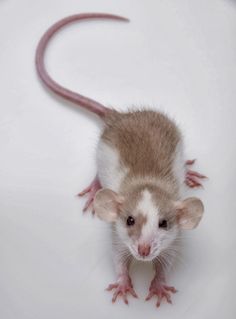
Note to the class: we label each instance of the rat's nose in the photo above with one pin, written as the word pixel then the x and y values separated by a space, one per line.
pixel 144 250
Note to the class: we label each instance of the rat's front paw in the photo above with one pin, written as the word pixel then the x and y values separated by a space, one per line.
pixel 122 288
pixel 161 290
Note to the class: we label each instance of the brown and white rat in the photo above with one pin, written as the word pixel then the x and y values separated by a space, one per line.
pixel 138 188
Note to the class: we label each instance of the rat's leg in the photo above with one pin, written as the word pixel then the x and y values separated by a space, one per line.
pixel 123 285
pixel 192 178
pixel 158 286
pixel 91 190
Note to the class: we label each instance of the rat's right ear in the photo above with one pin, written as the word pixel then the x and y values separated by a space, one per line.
pixel 107 204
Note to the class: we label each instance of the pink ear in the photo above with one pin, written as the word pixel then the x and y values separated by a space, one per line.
pixel 107 204
pixel 189 212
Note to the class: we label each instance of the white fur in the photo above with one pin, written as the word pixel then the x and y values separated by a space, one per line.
pixel 111 171
pixel 149 210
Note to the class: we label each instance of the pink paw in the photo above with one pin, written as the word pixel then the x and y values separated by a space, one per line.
pixel 192 178
pixel 161 291
pixel 91 190
pixel 122 289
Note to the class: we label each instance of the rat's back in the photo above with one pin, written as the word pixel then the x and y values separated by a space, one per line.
pixel 140 143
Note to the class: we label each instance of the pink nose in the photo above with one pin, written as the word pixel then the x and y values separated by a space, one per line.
pixel 144 250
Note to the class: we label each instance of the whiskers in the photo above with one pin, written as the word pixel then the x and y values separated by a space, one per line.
pixel 125 256
pixel 171 254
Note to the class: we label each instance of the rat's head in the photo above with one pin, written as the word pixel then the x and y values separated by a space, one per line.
pixel 147 220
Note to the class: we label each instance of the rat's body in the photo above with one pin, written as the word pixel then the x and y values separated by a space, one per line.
pixel 138 188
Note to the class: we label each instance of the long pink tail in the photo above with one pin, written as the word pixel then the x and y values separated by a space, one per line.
pixel 81 100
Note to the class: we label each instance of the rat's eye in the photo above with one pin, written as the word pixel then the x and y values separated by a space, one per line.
pixel 130 221
pixel 163 224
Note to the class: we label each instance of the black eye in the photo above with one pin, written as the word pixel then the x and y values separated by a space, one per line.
pixel 130 221
pixel 163 223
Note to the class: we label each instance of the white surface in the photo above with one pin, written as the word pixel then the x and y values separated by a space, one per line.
pixel 179 56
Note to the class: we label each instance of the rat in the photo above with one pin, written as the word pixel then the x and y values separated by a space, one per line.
pixel 138 189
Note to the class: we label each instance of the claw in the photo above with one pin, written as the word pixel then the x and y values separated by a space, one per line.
pixel 193 173
pixel 190 162
pixel 85 191
pixel 172 289
pixel 111 286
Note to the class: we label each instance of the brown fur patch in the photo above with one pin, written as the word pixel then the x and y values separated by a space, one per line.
pixel 135 230
pixel 146 141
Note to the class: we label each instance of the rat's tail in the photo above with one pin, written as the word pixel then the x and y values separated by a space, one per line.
pixel 81 100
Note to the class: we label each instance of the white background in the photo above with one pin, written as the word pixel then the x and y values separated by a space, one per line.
pixel 178 56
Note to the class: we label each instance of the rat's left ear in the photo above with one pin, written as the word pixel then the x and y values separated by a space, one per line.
pixel 189 212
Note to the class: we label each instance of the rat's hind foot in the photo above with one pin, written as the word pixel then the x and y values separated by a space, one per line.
pixel 122 288
pixel 192 178
pixel 91 190
pixel 160 290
